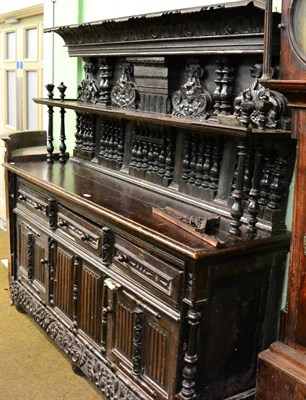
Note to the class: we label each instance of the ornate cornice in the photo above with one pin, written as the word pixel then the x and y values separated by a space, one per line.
pixel 206 30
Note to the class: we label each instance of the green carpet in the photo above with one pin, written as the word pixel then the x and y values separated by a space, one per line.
pixel 31 366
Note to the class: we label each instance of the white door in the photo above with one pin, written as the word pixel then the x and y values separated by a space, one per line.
pixel 21 70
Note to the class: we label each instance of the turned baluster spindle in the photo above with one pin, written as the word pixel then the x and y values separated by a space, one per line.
pixel 238 193
pixel 247 107
pixel 62 157
pixel 226 88
pixel 276 185
pixel 254 194
pixel 216 95
pixel 50 147
pixel 215 167
pixel 186 159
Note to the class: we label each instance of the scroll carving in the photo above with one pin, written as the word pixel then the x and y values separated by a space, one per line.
pixel 151 275
pixel 138 333
pixel 258 105
pixel 192 100
pixel 30 256
pixel 52 213
pixel 125 94
pixel 107 242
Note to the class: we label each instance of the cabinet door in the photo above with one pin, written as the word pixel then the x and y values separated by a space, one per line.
pixel 33 258
pixel 144 343
pixel 79 294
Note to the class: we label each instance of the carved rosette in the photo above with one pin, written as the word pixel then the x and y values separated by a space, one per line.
pixel 263 107
pixel 124 94
pixel 81 355
pixel 192 100
pixel 88 89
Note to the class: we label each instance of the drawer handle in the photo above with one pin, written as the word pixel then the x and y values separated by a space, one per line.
pixel 44 261
pixel 84 237
pixel 122 257
pixel 37 206
pixel 21 197
pixel 62 223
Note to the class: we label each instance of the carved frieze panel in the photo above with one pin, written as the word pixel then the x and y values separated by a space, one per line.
pixel 145 271
pixel 78 231
pixel 169 25
pixel 32 202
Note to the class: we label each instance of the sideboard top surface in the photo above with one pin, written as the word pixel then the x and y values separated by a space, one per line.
pixel 129 206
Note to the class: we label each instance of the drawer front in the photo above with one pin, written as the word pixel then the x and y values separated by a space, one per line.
pixel 80 231
pixel 33 201
pixel 153 273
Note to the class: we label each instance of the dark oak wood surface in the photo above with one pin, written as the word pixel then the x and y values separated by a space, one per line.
pixel 131 206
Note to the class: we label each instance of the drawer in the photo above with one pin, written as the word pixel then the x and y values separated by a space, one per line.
pixel 140 265
pixel 79 230
pixel 34 201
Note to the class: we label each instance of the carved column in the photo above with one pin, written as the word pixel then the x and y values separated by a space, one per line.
pixel 62 158
pixel 254 193
pixel 238 193
pixel 106 75
pixel 191 357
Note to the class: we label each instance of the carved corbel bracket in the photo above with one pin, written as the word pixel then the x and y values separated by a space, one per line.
pixel 88 89
pixel 268 107
pixel 192 100
pixel 125 93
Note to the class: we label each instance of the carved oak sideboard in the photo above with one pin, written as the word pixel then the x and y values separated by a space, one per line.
pixel 154 256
